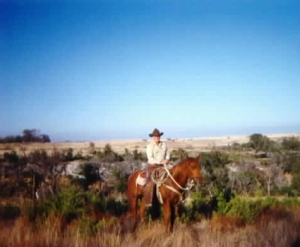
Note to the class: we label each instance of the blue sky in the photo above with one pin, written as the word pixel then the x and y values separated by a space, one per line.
pixel 113 70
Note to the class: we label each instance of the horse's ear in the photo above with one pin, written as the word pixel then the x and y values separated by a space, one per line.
pixel 198 158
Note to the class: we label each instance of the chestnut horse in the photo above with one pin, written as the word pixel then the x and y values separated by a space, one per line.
pixel 169 192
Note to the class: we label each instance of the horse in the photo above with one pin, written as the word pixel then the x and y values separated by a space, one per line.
pixel 169 192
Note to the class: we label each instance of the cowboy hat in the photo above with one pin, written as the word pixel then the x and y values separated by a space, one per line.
pixel 156 132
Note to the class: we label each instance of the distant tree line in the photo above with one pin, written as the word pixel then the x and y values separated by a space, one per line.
pixel 261 143
pixel 29 135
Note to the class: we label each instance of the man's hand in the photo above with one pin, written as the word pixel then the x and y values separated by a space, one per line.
pixel 165 162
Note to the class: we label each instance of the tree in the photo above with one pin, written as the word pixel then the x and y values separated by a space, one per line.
pixel 291 143
pixel 179 154
pixel 45 138
pixel 107 149
pixel 30 135
pixel 214 171
pixel 260 142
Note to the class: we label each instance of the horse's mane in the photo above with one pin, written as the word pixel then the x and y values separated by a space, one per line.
pixel 188 159
pixel 179 164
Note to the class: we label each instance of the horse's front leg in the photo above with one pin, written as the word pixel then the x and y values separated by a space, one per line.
pixel 174 214
pixel 168 216
pixel 176 211
pixel 142 211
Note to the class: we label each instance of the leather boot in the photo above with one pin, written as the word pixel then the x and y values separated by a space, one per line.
pixel 148 188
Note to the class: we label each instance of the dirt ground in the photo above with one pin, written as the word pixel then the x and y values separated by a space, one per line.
pixel 191 144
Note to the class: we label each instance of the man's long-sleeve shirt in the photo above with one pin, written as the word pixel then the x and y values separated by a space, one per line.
pixel 156 153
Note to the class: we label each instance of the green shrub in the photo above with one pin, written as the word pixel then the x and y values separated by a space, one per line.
pixel 179 153
pixel 287 191
pixel 260 142
pixel 247 209
pixel 11 158
pixel 296 183
pixel 269 202
pixel 9 211
pixel 88 226
pixel 291 143
pixel 196 209
pixel 106 204
pixel 223 205
pixel 69 203
pixel 115 207
pixel 215 172
pixel 96 200
pixel 291 202
pixel 35 210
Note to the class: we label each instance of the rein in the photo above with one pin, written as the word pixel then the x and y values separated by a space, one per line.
pixel 162 182
pixel 168 172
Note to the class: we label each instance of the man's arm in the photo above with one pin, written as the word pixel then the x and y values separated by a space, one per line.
pixel 166 159
pixel 168 154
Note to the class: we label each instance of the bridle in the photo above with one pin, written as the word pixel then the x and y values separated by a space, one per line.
pixel 161 182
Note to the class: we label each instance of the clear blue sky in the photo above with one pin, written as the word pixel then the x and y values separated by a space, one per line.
pixel 81 70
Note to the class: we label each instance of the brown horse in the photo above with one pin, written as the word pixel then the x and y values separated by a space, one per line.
pixel 169 192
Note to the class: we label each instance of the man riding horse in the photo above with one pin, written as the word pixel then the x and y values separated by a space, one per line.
pixel 158 154
pixel 171 183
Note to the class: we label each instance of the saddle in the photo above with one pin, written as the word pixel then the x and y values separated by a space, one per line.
pixel 158 175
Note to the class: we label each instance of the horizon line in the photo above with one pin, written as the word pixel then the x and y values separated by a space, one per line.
pixel 287 134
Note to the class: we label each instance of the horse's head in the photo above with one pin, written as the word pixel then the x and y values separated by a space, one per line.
pixel 195 169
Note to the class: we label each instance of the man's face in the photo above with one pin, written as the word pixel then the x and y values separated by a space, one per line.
pixel 156 139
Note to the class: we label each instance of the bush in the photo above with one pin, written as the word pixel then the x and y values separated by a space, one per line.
pixel 291 143
pixel 292 202
pixel 193 211
pixel 9 211
pixel 179 153
pixel 115 207
pixel 259 142
pixel 38 156
pixel 214 171
pixel 290 162
pixel 11 158
pixel 245 209
pixel 296 183
pixel 70 204
pixel 213 160
pixel 287 191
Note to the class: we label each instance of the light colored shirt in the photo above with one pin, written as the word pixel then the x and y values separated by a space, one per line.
pixel 156 153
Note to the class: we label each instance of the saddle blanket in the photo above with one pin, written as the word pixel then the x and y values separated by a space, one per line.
pixel 141 181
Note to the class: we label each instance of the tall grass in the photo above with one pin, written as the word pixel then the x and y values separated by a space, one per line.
pixel 277 228
pixel 83 219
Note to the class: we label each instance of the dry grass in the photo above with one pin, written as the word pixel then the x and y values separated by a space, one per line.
pixel 278 228
pixel 197 144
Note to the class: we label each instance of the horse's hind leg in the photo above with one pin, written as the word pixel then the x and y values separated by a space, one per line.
pixel 133 203
pixel 133 211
